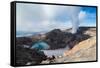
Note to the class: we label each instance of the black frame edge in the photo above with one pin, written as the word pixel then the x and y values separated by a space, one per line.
pixel 12 28
pixel 96 33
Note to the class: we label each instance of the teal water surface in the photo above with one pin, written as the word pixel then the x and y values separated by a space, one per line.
pixel 40 45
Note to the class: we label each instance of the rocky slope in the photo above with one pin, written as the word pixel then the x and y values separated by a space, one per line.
pixel 82 46
pixel 84 50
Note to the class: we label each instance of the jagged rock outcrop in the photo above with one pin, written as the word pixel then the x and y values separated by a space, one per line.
pixel 58 39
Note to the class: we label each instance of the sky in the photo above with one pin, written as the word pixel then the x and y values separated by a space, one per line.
pixel 39 18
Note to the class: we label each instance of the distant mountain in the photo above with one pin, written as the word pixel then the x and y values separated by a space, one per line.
pixel 25 34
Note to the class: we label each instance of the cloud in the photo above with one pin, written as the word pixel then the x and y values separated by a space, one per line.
pixel 82 15
pixel 37 18
pixel 87 18
pixel 33 18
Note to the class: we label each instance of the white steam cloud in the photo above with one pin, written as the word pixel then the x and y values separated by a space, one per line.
pixel 72 12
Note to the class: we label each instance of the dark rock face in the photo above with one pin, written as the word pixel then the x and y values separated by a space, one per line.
pixel 79 36
pixel 76 39
pixel 23 41
pixel 25 55
pixel 58 39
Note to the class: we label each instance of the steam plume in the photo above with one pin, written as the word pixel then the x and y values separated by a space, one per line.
pixel 71 11
pixel 74 14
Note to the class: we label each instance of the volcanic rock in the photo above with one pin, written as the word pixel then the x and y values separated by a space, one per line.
pixel 26 55
pixel 23 41
pixel 58 39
